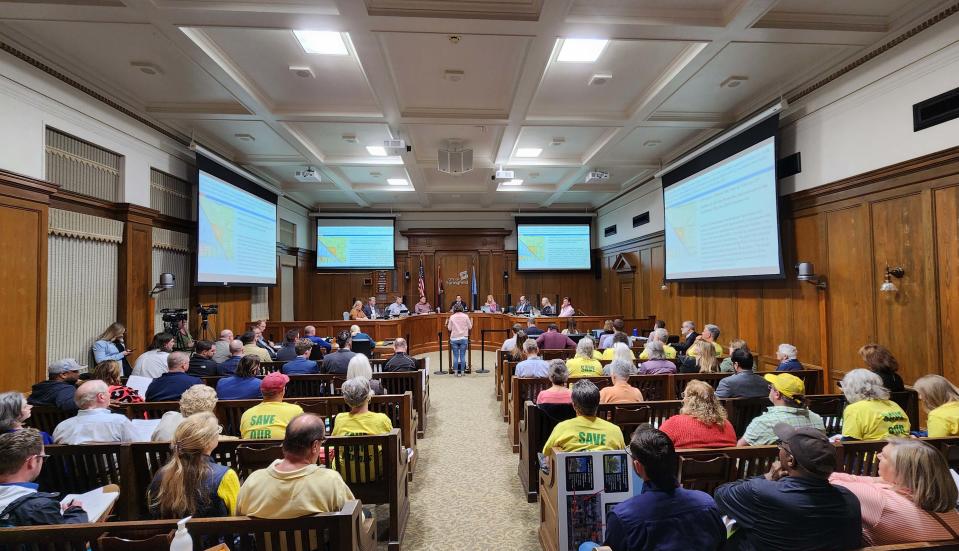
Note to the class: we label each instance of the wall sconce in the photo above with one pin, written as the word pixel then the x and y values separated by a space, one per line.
pixel 167 281
pixel 807 272
pixel 505 275
pixel 887 285
pixel 663 286
pixel 406 276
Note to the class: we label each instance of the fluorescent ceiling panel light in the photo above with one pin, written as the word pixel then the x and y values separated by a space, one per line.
pixel 581 50
pixel 376 150
pixel 321 42
pixel 513 182
pixel 529 151
pixel 397 181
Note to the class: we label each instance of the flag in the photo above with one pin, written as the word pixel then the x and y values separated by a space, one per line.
pixel 421 282
pixel 473 289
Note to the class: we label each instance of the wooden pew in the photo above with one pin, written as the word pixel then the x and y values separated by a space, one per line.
pixel 344 530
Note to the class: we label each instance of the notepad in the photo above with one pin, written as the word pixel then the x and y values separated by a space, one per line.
pixel 97 502
pixel 139 383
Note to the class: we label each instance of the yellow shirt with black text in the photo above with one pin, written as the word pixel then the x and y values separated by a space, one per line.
pixel 874 420
pixel 585 434
pixel 353 463
pixel 582 367
pixel 268 420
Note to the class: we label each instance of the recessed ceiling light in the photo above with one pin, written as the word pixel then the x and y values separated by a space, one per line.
pixel 146 68
pixel 376 150
pixel 733 81
pixel 581 50
pixel 397 181
pixel 513 182
pixel 376 174
pixel 454 75
pixel 557 141
pixel 302 71
pixel 651 143
pixel 321 42
pixel 533 175
pixel 349 138
pixel 529 151
pixel 599 79
pixel 245 137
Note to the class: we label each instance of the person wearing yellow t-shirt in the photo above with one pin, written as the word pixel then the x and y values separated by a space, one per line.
pixel 584 363
pixel 660 335
pixel 268 419
pixel 619 351
pixel 359 421
pixel 942 400
pixel 585 432
pixel 710 335
pixel 870 415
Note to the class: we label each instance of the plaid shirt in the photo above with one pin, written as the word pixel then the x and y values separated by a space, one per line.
pixel 760 430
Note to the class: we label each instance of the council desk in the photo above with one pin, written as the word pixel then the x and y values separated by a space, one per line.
pixel 424 331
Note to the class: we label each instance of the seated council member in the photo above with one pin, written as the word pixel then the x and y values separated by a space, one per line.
pixel 397 308
pixel 566 310
pixel 371 310
pixel 523 307
pixel 357 313
pixel 546 309
pixel 490 305
pixel 422 307
pixel 585 432
pixel 459 302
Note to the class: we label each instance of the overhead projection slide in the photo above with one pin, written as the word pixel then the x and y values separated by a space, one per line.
pixel 236 233
pixel 354 244
pixel 553 246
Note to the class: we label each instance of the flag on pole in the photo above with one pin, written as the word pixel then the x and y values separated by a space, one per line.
pixel 473 287
pixel 421 283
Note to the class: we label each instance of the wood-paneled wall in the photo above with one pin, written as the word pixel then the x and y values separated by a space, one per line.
pixel 904 215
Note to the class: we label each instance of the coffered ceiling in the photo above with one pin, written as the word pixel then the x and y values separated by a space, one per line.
pixel 491 76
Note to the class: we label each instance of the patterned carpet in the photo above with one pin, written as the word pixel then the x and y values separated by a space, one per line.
pixel 466 494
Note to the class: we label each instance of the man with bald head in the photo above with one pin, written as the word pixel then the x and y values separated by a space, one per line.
pixel 309 332
pixel 228 366
pixel 172 384
pixel 400 361
pixel 94 422
pixel 221 348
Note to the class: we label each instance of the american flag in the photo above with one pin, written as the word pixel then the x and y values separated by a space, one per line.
pixel 421 282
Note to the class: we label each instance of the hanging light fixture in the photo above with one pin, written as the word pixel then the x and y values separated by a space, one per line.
pixel 887 285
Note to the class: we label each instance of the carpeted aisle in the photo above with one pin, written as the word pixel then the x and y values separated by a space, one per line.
pixel 466 494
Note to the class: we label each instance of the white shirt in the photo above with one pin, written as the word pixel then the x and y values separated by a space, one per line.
pixel 94 425
pixel 151 363
pixel 395 309
pixel 508 344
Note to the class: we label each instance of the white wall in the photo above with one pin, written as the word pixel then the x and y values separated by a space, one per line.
pixel 859 122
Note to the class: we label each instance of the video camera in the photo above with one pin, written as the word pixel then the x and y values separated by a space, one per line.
pixel 208 310
pixel 173 315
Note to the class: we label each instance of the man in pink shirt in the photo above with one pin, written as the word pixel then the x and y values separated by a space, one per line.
pixel 459 325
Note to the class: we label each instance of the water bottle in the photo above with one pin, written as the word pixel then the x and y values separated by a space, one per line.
pixel 182 540
pixel 635 332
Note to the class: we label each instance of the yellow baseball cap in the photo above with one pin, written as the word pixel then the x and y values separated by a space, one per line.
pixel 786 384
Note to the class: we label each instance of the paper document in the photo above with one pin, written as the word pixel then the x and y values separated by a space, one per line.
pixel 97 502
pixel 139 383
pixel 143 429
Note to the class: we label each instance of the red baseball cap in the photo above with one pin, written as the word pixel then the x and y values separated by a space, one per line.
pixel 274 382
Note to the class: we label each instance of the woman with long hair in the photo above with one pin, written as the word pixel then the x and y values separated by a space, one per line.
pixel 109 372
pixel 359 366
pixel 702 359
pixel 14 411
pixel 942 400
pixel 110 346
pixel 702 422
pixel 357 313
pixel 191 483
pixel 912 500
pixel 491 305
pixel 516 354
pixel 880 361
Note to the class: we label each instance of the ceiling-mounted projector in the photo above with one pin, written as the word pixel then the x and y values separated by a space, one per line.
pixel 504 175
pixel 454 159
pixel 308 175
pixel 597 176
pixel 395 147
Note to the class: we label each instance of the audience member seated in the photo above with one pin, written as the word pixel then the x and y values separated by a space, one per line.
pixel 869 413
pixel 59 388
pixel 509 343
pixel 243 384
pixel 793 507
pixel 610 352
pixel 702 421
pixel 744 383
pixel 661 336
pixel 295 486
pixel 182 339
pixel 585 432
pixel 287 352
pixel 663 515
pixel 552 339
pixel 620 391
pixel 531 329
pixel 14 411
pixel 397 308
pixel 309 332
pixel 656 362
pixel 584 364
pixel 533 365
pixel 359 421
pixel 250 347
pixel 301 364
pixel 357 313
pixel 566 309
pixel 359 366
pixel 688 331
pixel 358 335
pixel 726 366
pixel 912 500
pixel 228 367
pixel 880 361
pixel 422 306
pixel 259 327
pixel 170 385
pixel 787 393
pixel 152 363
pixel 710 335
pixel 221 348
pixel 606 336
pixel 201 361
pixel 94 422
pixel 942 402
pixel 338 361
pixel 21 504
pixel 400 361
pixel 786 356
pixel 269 418
pixel 701 359
pixel 191 483
pixel 558 393
pixel 196 399
pixel 108 344
pixel 109 372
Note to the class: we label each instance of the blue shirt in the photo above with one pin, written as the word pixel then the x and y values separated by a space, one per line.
pixel 791 514
pixel 228 367
pixel 790 365
pixel 106 350
pixel 299 366
pixel 361 336
pixel 677 520
pixel 533 367
pixel 238 388
pixel 170 386
pixel 320 342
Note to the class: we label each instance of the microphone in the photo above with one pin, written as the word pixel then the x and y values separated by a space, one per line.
pixel 580 312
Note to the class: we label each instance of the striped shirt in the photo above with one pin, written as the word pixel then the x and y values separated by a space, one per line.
pixel 760 430
pixel 889 517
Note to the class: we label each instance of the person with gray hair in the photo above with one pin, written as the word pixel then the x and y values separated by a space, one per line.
pixel 656 362
pixel 171 385
pixel 359 366
pixel 558 393
pixel 621 352
pixel 400 361
pixel 689 334
pixel 14 411
pixel 710 335
pixel 870 414
pixel 586 431
pixel 786 354
pixel 94 422
pixel 359 421
pixel 585 363
pixel 660 335
pixel 533 365
pixel 620 391
pixel 221 348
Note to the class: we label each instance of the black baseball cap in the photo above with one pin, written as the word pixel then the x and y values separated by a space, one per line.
pixel 809 446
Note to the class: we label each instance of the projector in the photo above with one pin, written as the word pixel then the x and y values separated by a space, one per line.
pixel 307 175
pixel 597 176
pixel 503 175
pixel 395 147
pixel 454 160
